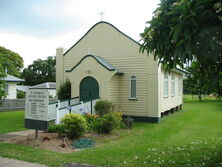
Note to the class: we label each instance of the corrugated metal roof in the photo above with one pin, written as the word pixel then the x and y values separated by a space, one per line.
pixel 10 78
pixel 23 87
pixel 46 85
pixel 100 60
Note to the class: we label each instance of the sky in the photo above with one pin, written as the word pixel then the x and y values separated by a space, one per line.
pixel 35 28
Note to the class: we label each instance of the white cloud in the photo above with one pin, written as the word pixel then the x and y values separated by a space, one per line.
pixel 127 15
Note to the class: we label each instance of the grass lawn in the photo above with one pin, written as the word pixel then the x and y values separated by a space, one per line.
pixel 11 121
pixel 191 137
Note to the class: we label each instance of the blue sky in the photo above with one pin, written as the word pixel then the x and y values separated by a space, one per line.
pixel 35 28
pixel 28 17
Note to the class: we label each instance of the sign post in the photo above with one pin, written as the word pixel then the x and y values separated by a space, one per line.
pixel 36 110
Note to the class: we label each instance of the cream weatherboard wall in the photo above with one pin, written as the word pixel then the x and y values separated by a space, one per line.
pixel 169 102
pixel 106 41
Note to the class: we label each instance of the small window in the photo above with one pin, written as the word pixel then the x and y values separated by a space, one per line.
pixel 180 86
pixel 172 85
pixel 132 87
pixel 165 85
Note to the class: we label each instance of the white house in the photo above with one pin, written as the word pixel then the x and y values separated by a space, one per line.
pixel 11 86
pixel 105 63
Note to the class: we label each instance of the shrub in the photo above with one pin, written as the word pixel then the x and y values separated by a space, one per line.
pixel 60 129
pixel 75 125
pixel 20 94
pixel 103 107
pixel 65 90
pixel 52 129
pixel 106 123
pixel 89 118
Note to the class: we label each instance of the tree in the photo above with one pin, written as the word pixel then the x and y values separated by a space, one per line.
pixel 65 90
pixel 196 82
pixel 11 60
pixel 183 31
pixel 2 82
pixel 40 71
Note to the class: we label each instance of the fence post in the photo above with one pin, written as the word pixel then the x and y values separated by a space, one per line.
pixel 57 113
pixel 91 106
pixel 69 107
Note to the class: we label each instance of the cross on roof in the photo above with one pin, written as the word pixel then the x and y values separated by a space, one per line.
pixel 101 13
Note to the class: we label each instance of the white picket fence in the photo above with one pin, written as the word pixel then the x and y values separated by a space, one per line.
pixel 58 110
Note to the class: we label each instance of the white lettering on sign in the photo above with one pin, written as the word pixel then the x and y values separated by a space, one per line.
pixel 36 106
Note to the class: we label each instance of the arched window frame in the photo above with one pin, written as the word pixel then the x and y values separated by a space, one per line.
pixel 132 88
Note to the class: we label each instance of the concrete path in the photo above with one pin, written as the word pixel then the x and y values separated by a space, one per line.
pixel 6 162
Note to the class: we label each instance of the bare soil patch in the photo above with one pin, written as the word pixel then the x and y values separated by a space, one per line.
pixel 48 141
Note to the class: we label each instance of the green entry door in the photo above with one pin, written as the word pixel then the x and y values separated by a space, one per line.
pixel 89 89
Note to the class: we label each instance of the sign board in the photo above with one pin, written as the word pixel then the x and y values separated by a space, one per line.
pixel 36 109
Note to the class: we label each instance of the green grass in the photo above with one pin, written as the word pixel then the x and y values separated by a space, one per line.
pixel 189 97
pixel 11 121
pixel 191 137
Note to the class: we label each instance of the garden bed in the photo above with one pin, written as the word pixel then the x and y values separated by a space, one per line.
pixel 52 142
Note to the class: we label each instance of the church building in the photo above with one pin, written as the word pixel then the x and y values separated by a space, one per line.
pixel 106 63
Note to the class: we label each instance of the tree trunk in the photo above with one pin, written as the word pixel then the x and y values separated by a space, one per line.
pixel 199 96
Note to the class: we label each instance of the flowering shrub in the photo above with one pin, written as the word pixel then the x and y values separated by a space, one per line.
pixel 75 125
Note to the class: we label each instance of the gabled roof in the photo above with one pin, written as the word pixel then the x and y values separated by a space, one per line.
pixel 46 85
pixel 101 22
pixel 10 78
pixel 101 61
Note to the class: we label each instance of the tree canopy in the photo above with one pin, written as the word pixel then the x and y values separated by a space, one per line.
pixel 2 82
pixel 11 60
pixel 40 71
pixel 185 30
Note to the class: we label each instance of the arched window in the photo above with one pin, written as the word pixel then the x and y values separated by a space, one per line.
pixel 132 93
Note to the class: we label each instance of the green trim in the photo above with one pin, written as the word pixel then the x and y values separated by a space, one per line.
pixel 78 103
pixel 75 104
pixel 74 97
pixel 101 22
pixel 14 81
pixel 146 119
pixel 86 57
pixel 53 102
pixel 133 99
pixel 43 88
pixel 69 99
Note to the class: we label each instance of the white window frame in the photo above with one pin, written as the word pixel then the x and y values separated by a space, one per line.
pixel 131 79
pixel 179 85
pixel 172 85
pixel 166 85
